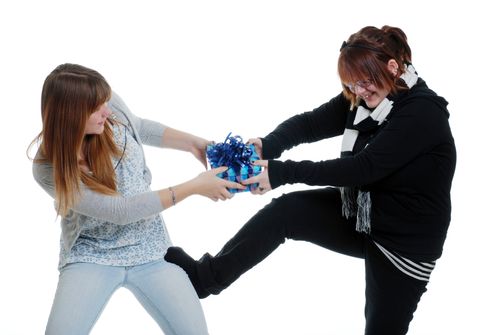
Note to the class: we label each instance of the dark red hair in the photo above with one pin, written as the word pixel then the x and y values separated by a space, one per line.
pixel 364 56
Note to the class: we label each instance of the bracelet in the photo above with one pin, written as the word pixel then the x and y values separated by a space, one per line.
pixel 173 195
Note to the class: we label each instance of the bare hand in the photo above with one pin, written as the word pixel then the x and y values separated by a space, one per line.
pixel 199 150
pixel 209 185
pixel 257 142
pixel 262 179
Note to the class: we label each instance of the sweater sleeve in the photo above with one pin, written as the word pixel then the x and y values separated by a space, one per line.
pixel 412 131
pixel 112 208
pixel 326 121
pixel 150 132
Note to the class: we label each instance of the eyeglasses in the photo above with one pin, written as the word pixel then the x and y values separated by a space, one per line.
pixel 360 83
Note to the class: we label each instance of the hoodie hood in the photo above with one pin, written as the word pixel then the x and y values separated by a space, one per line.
pixel 419 91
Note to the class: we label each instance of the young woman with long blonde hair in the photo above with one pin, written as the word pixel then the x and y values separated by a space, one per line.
pixel 91 161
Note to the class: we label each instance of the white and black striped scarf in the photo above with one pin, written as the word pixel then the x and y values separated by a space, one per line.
pixel 355 201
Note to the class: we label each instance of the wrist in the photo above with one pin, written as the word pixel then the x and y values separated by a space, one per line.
pixel 192 186
pixel 198 143
pixel 172 196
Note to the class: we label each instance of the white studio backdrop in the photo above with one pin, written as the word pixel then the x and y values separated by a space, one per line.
pixel 214 67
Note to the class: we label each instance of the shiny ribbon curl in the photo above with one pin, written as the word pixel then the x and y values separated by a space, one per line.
pixel 232 153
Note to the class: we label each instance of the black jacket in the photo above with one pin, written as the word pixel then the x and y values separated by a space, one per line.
pixel 407 167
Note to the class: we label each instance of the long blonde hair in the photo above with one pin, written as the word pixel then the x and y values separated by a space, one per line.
pixel 70 94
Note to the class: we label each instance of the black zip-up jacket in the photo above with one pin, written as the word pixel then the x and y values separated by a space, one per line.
pixel 407 167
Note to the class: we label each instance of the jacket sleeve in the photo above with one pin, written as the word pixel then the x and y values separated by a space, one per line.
pixel 328 120
pixel 150 132
pixel 412 131
pixel 112 208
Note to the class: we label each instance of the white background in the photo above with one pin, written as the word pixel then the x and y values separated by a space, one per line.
pixel 211 67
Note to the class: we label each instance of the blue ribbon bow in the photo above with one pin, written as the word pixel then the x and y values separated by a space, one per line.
pixel 232 153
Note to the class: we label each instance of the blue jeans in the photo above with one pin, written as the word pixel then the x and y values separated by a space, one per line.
pixel 162 288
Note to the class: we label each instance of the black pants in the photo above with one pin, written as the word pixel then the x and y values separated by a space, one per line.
pixel 315 216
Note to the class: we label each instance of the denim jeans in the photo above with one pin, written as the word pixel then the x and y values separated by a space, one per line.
pixel 162 288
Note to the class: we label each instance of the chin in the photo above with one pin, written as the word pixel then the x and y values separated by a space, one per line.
pixel 370 104
pixel 99 130
pixel 373 104
pixel 95 132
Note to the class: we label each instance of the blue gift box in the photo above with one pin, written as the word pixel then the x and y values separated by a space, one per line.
pixel 238 157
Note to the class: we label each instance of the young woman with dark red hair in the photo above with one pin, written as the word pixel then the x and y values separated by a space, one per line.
pixel 387 198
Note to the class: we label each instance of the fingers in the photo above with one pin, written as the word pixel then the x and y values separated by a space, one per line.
pixel 251 180
pixel 223 195
pixel 260 190
pixel 224 185
pixel 218 170
pixel 228 195
pixel 232 184
pixel 254 140
pixel 260 162
pixel 262 185
pixel 257 178
pixel 261 178
pixel 203 161
pixel 257 142
pixel 227 183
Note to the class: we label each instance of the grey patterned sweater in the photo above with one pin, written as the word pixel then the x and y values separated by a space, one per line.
pixel 116 209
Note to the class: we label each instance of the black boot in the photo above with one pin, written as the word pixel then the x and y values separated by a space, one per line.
pixel 259 237
pixel 194 269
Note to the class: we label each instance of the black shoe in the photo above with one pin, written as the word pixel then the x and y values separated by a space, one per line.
pixel 178 256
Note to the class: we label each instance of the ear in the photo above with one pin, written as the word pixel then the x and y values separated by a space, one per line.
pixel 393 67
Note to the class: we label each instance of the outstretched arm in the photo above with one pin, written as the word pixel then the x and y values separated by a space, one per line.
pixel 328 120
pixel 179 140
pixel 124 210
pixel 156 134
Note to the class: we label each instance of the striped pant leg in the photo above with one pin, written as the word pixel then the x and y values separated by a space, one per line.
pixel 391 295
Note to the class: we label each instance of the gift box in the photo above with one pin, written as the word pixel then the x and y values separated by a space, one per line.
pixel 238 157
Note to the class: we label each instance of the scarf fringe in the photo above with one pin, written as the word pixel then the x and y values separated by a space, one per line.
pixel 357 204
pixel 364 212
pixel 349 205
